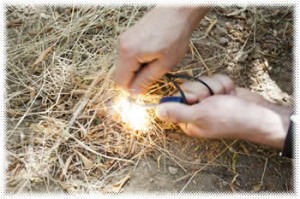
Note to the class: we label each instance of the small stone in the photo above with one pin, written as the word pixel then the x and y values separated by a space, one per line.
pixel 37 102
pixel 151 180
pixel 221 30
pixel 229 25
pixel 223 40
pixel 44 16
pixel 243 58
pixel 173 170
pixel 256 56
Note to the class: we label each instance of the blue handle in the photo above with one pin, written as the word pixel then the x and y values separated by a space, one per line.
pixel 172 99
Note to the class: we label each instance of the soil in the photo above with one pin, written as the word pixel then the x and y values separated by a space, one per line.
pixel 245 168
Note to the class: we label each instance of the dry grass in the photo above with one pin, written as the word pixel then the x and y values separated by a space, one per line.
pixel 60 96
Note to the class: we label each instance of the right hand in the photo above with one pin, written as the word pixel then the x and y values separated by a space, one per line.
pixel 158 42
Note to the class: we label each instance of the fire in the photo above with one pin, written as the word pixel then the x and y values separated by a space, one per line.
pixel 132 114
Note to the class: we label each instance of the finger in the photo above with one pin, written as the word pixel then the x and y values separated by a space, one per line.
pixel 192 130
pixel 191 98
pixel 147 75
pixel 220 84
pixel 196 88
pixel 176 112
pixel 125 71
pixel 227 84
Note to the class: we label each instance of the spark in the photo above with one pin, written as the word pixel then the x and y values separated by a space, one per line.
pixel 132 114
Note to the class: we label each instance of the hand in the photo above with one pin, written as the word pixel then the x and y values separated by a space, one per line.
pixel 157 42
pixel 240 114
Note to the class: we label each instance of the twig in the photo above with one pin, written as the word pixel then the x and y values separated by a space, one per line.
pixel 201 59
pixel 83 102
pixel 29 108
pixel 210 27
pixel 263 175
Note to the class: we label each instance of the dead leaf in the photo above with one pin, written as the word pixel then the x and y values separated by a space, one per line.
pixel 40 32
pixel 233 190
pixel 246 151
pixel 32 91
pixel 44 16
pixel 43 55
pixel 241 56
pixel 190 72
pixel 236 12
pixel 118 186
pixel 257 188
pixel 210 27
pixel 14 23
pixel 86 162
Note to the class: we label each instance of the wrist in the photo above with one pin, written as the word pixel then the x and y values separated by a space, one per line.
pixel 191 15
pixel 194 15
pixel 273 126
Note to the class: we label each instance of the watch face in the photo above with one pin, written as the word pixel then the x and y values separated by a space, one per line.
pixel 295 118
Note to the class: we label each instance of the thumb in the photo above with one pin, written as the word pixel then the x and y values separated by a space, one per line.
pixel 124 73
pixel 147 75
pixel 176 112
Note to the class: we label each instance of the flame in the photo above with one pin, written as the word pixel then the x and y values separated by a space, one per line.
pixel 132 114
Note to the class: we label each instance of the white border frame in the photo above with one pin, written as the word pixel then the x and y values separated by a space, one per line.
pixel 3 163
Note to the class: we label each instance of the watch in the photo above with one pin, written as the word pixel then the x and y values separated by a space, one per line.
pixel 288 147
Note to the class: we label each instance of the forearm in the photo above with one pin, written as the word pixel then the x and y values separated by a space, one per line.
pixel 273 119
pixel 195 14
pixel 192 15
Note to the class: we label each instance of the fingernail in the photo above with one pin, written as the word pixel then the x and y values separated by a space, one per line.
pixel 161 112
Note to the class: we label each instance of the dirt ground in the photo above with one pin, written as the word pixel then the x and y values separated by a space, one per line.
pixel 254 46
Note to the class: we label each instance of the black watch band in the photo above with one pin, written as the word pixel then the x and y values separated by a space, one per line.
pixel 288 147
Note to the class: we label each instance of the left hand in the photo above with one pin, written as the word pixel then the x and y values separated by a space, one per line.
pixel 230 113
